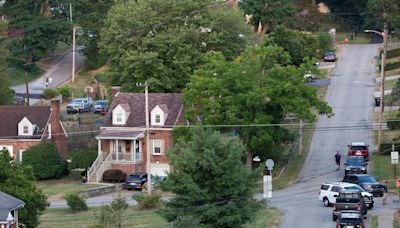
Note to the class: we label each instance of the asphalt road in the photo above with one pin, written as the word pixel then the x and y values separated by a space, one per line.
pixel 60 72
pixel 351 98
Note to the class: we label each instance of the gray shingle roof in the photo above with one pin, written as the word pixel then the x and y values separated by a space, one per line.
pixel 7 204
pixel 170 102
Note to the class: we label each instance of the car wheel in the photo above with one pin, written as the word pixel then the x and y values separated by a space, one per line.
pixel 334 218
pixel 309 79
pixel 381 194
pixel 370 206
pixel 326 202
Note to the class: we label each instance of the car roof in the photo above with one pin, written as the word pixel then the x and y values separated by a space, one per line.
pixel 358 144
pixel 344 184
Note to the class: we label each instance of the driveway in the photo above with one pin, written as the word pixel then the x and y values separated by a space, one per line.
pixel 351 98
pixel 59 72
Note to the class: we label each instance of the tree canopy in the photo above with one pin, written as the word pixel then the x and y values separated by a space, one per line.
pixel 210 181
pixel 6 94
pixel 40 25
pixel 259 88
pixel 147 40
pixel 18 181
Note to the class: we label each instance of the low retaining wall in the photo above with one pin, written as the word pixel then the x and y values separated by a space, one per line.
pixel 100 190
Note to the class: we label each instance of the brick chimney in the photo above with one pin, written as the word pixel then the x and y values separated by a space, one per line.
pixel 57 135
pixel 115 90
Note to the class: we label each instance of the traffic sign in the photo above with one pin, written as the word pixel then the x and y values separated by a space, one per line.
pixel 394 155
pixel 270 164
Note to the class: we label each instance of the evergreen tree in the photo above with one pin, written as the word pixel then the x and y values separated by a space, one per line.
pixel 210 181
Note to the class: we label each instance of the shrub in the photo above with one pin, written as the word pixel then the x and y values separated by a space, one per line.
pixel 386 147
pixel 45 161
pixel 50 93
pixel 393 53
pixel 81 158
pixel 114 175
pixel 111 215
pixel 186 221
pixel 65 91
pixel 76 202
pixel 393 124
pixel 148 202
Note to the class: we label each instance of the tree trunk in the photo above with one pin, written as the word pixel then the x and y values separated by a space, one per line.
pixel 45 9
pixel 249 158
pixel 261 34
pixel 30 56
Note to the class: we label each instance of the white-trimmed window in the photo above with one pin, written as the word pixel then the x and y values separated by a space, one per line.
pixel 157 118
pixel 19 155
pixel 157 147
pixel 120 117
pixel 25 130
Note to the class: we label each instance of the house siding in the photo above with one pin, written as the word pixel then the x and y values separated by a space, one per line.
pixel 154 135
pixel 19 145
pixel 129 168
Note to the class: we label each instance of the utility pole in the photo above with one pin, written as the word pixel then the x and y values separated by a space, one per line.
pixel 300 137
pixel 73 43
pixel 146 94
pixel 383 64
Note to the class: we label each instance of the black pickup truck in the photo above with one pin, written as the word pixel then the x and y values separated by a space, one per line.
pixel 349 200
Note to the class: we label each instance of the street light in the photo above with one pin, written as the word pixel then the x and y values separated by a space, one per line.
pixel 384 34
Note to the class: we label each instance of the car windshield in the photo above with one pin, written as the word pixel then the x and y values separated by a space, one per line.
pixel 134 177
pixel 329 54
pixel 77 101
pixel 354 187
pixel 355 162
pixel 358 147
pixel 101 102
pixel 367 179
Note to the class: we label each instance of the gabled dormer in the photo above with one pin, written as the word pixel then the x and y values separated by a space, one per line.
pixel 158 115
pixel 25 127
pixel 120 114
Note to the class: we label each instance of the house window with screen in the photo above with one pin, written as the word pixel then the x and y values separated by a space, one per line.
pixel 158 118
pixel 25 130
pixel 119 117
pixel 157 147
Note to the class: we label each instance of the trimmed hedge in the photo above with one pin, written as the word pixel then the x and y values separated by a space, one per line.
pixel 114 175
pixel 50 93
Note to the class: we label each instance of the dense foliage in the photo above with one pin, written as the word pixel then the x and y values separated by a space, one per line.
pixel 44 160
pixel 6 94
pixel 111 215
pixel 114 175
pixel 75 202
pixel 81 158
pixel 147 40
pixel 148 201
pixel 210 181
pixel 19 181
pixel 260 88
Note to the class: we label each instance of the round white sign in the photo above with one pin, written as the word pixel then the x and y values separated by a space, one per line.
pixel 270 164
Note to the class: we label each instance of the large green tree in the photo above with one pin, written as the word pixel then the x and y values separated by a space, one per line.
pixel 378 12
pixel 165 40
pixel 210 181
pixel 18 181
pixel 6 94
pixel 258 89
pixel 266 14
pixel 90 16
pixel 40 23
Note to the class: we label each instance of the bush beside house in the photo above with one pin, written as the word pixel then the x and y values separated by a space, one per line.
pixel 45 161
pixel 114 175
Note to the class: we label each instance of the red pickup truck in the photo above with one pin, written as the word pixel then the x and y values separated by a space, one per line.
pixel 359 149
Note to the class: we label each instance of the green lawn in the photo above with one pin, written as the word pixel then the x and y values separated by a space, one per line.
pixel 64 218
pixel 383 170
pixel 58 188
pixel 373 221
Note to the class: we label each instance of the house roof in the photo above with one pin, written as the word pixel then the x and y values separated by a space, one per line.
pixel 12 115
pixel 170 102
pixel 120 134
pixel 8 203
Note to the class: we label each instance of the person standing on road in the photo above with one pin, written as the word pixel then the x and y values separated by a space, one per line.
pixel 385 193
pixel 338 156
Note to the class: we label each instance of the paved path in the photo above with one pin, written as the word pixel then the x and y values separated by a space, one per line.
pixel 351 98
pixel 60 72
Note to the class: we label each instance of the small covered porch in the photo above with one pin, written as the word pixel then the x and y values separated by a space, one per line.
pixel 123 146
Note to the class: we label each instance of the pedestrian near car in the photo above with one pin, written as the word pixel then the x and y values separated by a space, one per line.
pixel 338 156
pixel 385 193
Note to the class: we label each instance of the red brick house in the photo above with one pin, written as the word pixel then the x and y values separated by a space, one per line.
pixel 22 127
pixel 9 207
pixel 122 141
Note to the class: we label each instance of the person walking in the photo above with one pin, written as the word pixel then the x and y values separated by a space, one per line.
pixel 385 193
pixel 338 156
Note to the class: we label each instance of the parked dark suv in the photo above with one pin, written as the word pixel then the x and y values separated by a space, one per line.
pixel 136 181
pixel 355 164
pixel 367 182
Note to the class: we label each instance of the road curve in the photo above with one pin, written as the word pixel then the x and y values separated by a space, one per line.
pixel 350 94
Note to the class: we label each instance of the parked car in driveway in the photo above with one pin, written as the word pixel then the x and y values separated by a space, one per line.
pixel 136 181
pixel 329 192
pixel 329 57
pixel 349 200
pixel 309 77
pixel 100 106
pixel 367 182
pixel 348 219
pixel 355 164
pixel 359 149
pixel 80 105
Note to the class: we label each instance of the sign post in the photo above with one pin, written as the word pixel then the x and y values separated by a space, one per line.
pixel 267 180
pixel 394 155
